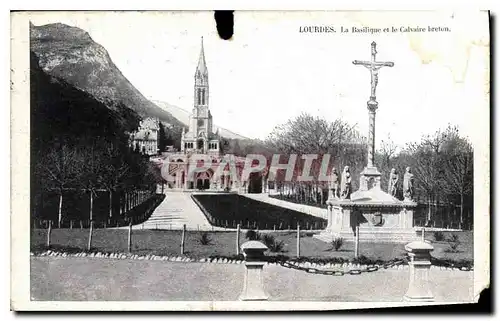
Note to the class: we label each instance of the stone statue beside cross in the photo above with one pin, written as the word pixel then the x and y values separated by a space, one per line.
pixel 373 175
pixel 371 213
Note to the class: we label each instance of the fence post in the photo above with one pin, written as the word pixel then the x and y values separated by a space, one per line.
pixel 253 287
pixel 183 238
pixel 356 243
pixel 89 246
pixel 49 232
pixel 419 285
pixel 71 224
pixel 238 239
pixel 423 234
pixel 129 243
pixel 298 240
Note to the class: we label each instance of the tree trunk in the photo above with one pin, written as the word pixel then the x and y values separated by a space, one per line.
pixel 461 211
pixel 429 204
pixel 110 203
pixel 89 245
pixel 91 206
pixel 60 210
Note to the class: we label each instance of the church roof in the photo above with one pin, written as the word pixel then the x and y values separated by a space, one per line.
pixel 202 65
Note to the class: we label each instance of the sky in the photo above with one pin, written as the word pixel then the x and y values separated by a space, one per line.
pixel 270 72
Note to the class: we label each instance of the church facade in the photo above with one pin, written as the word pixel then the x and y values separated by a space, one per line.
pixel 200 137
pixel 199 142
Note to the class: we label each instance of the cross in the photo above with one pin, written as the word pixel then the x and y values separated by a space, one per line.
pixel 374 66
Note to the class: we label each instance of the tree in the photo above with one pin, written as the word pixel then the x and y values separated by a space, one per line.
pixel 162 138
pixel 458 170
pixel 224 145
pixel 385 159
pixel 435 163
pixel 114 171
pixel 58 170
pixel 92 168
pixel 307 134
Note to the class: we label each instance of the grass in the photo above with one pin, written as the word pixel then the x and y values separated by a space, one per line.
pixel 232 209
pixel 163 242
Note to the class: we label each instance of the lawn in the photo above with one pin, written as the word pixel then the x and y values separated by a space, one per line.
pixel 231 209
pixel 164 242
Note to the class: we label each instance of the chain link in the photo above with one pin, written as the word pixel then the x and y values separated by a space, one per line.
pixel 357 270
pixel 341 272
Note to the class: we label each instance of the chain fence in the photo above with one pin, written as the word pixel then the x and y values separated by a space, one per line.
pixel 357 270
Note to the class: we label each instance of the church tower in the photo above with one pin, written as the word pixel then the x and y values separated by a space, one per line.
pixel 200 138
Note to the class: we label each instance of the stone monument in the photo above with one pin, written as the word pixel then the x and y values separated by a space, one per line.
pixel 380 216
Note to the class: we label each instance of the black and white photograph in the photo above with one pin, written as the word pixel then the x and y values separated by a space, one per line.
pixel 313 160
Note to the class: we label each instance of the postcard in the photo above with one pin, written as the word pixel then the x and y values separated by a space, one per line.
pixel 288 160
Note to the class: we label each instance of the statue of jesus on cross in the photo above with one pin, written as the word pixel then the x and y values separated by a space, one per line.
pixel 372 105
pixel 374 66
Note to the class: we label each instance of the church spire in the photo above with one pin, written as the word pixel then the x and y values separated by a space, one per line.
pixel 202 65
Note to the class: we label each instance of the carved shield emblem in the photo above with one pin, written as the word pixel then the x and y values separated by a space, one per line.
pixel 377 219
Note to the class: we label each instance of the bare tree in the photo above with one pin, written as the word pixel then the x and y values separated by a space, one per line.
pixel 385 158
pixel 58 168
pixel 428 159
pixel 458 169
pixel 92 167
pixel 113 173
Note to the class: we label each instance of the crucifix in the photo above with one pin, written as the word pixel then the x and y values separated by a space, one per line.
pixel 374 67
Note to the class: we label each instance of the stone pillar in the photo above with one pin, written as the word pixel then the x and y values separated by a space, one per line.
pixel 372 107
pixel 253 287
pixel 419 285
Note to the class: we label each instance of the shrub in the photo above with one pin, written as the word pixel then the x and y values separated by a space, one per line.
pixel 453 247
pixel 337 243
pixel 273 244
pixel 438 236
pixel 277 246
pixel 363 260
pixel 205 238
pixel 268 240
pixel 252 235
pixel 453 238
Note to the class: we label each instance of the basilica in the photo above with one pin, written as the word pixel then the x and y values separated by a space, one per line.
pixel 200 138
pixel 200 142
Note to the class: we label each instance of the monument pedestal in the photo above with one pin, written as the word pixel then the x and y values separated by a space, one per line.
pixel 380 216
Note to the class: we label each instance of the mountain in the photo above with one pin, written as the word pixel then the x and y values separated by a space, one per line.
pixel 183 116
pixel 69 53
pixel 60 112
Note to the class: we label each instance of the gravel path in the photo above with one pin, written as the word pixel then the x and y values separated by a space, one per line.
pixel 66 279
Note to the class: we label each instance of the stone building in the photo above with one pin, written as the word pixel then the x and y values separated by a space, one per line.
pixel 200 138
pixel 145 139
pixel 199 142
